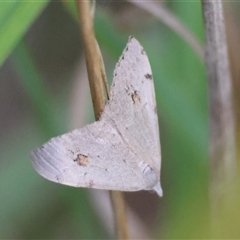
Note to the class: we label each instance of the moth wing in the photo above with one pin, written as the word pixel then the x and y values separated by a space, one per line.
pixel 122 150
pixel 94 156
pixel 132 107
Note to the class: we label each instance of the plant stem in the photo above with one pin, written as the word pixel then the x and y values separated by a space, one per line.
pixel 96 75
pixel 223 163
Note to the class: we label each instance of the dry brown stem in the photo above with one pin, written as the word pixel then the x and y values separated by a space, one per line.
pixel 97 79
pixel 92 57
pixel 222 120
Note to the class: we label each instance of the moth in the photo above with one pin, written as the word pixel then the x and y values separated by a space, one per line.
pixel 120 151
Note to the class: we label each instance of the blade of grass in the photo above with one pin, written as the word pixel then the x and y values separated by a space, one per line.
pixel 168 18
pixel 33 84
pixel 15 18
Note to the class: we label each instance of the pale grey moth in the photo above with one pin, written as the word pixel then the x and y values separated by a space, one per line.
pixel 121 151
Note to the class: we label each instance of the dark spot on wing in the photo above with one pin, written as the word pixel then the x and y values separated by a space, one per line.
pixel 82 160
pixel 57 178
pixel 135 97
pixel 148 76
pixel 71 151
pixel 155 110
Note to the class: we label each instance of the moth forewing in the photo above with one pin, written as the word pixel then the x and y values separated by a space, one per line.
pixel 121 151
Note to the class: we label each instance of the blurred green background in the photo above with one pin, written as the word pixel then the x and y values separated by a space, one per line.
pixel 40 56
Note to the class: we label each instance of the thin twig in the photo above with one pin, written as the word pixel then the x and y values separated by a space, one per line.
pixel 103 208
pixel 222 120
pixel 92 57
pixel 168 18
pixel 97 77
pixel 120 214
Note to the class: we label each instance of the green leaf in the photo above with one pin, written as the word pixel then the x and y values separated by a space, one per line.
pixel 15 19
pixel 42 101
